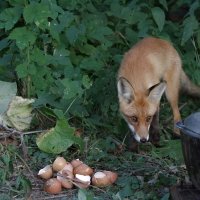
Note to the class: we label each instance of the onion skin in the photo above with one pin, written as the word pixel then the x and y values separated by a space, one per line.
pixel 104 178
pixel 112 175
pixel 100 181
pixel 53 186
pixel 59 164
pixel 46 172
pixel 68 167
pixel 83 169
pixel 81 183
pixel 66 178
pixel 76 163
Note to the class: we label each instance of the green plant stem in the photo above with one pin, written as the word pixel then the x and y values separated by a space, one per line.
pixel 28 81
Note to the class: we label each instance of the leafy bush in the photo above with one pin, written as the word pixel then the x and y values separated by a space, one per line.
pixel 66 53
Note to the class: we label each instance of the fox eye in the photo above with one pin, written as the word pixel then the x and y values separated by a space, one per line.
pixel 134 119
pixel 148 119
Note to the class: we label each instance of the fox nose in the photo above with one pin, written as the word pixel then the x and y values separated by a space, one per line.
pixel 143 140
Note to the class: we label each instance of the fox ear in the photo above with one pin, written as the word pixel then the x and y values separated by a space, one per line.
pixel 156 92
pixel 125 90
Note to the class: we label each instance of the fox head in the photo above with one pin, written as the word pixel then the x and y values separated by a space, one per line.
pixel 139 107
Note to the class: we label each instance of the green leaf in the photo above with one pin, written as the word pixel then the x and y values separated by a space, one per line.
pixel 72 34
pixel 190 25
pixel 37 13
pixel 59 113
pixel 86 81
pixel 100 33
pixel 58 139
pixel 61 56
pixel 55 29
pixel 38 56
pixel 126 191
pixel 7 92
pixel 22 70
pixel 166 197
pixel 91 64
pixel 87 49
pixel 66 19
pixel 23 37
pixel 84 195
pixel 9 17
pixel 3 43
pixel 72 88
pixel 164 4
pixel 16 2
pixel 159 17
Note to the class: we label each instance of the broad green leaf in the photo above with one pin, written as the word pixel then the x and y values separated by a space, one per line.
pixel 66 19
pixel 87 49
pixel 16 2
pixel 193 7
pixel 58 139
pixel 7 91
pixel 91 64
pixel 190 25
pixel 84 195
pixel 72 88
pixel 72 34
pixel 59 113
pixel 44 99
pixel 100 33
pixel 37 13
pixel 166 197
pixel 159 17
pixel 131 35
pixel 55 29
pixel 23 37
pixel 3 43
pixel 39 57
pixel 86 81
pixel 32 70
pixel 61 55
pixel 9 17
pixel 164 4
pixel 127 191
pixel 75 32
pixel 5 60
pixel 22 70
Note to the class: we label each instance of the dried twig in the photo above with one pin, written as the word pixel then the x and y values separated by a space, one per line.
pixel 123 37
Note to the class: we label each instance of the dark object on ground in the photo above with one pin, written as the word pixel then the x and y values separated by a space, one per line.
pixel 190 137
pixel 184 192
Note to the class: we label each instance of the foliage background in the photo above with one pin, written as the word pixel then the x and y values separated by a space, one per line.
pixel 66 54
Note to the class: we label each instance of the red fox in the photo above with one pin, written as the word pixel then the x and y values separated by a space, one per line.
pixel 149 69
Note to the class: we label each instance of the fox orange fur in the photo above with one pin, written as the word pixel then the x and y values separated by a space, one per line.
pixel 149 69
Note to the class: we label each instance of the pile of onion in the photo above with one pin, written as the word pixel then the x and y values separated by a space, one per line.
pixel 73 173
